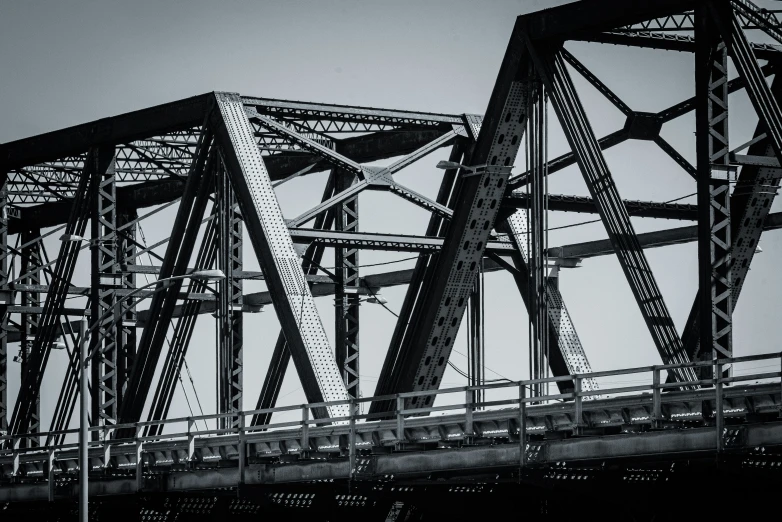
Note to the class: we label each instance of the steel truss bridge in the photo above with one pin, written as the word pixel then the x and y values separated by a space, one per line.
pixel 702 424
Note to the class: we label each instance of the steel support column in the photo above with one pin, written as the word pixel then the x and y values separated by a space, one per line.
pixel 30 266
pixel 4 302
pixel 581 137
pixel 293 301
pixel 229 313
pixel 30 387
pixel 126 247
pixel 346 298
pixel 178 252
pixel 105 279
pixel 714 231
pixel 476 353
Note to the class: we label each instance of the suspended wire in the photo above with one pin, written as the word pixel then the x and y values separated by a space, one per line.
pixel 325 268
pixel 168 342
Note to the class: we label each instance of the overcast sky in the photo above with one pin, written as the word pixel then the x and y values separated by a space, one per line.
pixel 67 62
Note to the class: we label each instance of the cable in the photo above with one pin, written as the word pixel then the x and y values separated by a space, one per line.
pixel 168 342
pixel 367 266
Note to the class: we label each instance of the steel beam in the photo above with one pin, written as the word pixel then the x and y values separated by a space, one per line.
pixel 281 355
pixel 4 276
pixel 416 278
pixel 566 203
pixel 714 177
pixel 426 345
pixel 31 262
pixel 294 304
pixel 229 313
pixel 571 115
pixel 30 387
pixel 105 279
pixel 660 238
pixel 161 119
pixel 180 247
pixel 346 299
pixel 183 332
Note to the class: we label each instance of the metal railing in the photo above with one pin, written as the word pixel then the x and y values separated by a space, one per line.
pixel 571 402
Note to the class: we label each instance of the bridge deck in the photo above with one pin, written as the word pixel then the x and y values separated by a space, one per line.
pixel 641 421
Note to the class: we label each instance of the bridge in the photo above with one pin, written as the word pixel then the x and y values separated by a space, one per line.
pixel 697 434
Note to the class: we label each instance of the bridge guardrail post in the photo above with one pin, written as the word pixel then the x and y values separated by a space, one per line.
pixel 719 414
pixel 190 439
pixel 522 426
pixel 352 440
pixel 468 410
pixel 50 473
pixel 106 446
pixel 16 444
pixel 139 465
pixel 400 420
pixel 242 448
pixel 577 404
pixel 656 399
pixel 305 428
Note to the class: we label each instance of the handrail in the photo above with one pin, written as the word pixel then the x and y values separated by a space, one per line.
pixel 401 412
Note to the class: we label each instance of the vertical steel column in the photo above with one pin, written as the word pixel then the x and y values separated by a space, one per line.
pixel 714 230
pixel 4 302
pixel 31 263
pixel 126 248
pixel 49 325
pixel 106 278
pixel 476 351
pixel 229 300
pixel 346 298
pixel 536 239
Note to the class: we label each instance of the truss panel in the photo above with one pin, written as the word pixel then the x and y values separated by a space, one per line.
pixel 294 304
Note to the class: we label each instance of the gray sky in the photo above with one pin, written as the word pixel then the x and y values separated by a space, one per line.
pixel 69 62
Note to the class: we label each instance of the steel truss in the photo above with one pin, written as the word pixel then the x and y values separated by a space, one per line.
pixel 218 159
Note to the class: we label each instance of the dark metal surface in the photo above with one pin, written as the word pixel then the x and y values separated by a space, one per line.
pixel 218 163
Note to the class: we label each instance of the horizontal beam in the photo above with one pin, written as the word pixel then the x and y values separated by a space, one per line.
pixel 588 16
pixel 330 111
pixel 373 282
pixel 373 241
pixel 672 236
pixel 367 148
pixel 72 141
pixel 563 203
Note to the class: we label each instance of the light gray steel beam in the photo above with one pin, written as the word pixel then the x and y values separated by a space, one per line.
pixel 294 303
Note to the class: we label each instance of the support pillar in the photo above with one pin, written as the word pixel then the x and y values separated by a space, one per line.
pixel 106 278
pixel 476 351
pixel 28 326
pixel 230 301
pixel 714 176
pixel 347 298
pixel 127 229
pixel 4 302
